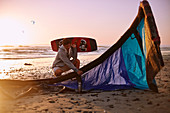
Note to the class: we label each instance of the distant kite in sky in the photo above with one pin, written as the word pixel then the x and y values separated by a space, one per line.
pixel 32 21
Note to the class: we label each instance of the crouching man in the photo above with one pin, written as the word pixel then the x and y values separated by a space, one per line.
pixel 63 61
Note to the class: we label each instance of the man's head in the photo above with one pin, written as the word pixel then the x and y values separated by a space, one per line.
pixel 67 43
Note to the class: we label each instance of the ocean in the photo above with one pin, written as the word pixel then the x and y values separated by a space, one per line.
pixel 165 50
pixel 34 62
pixel 32 52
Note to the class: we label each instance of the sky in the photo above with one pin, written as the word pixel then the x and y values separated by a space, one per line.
pixel 25 22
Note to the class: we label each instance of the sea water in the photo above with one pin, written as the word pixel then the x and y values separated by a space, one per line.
pixel 165 50
pixel 45 51
pixel 32 52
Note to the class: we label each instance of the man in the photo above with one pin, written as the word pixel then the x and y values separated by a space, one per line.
pixel 62 61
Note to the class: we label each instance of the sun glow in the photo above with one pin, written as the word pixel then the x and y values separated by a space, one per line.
pixel 12 32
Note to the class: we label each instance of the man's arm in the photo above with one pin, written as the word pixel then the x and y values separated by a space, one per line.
pixel 74 52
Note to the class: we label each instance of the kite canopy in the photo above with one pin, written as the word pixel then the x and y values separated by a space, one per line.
pixel 132 62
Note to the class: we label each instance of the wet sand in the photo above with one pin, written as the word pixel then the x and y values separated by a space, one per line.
pixel 121 101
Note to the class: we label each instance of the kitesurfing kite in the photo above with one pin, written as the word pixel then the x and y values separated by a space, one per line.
pixel 132 62
pixel 32 21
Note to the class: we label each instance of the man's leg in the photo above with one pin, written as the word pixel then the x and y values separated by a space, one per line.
pixel 58 72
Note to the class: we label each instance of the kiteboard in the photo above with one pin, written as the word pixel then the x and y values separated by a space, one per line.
pixel 83 44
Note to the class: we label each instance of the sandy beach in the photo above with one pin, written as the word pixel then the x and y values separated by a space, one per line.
pixel 49 101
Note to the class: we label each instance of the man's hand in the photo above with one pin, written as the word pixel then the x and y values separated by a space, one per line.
pixel 73 45
pixel 79 72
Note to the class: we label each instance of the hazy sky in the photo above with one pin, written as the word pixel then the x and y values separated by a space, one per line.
pixel 40 21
